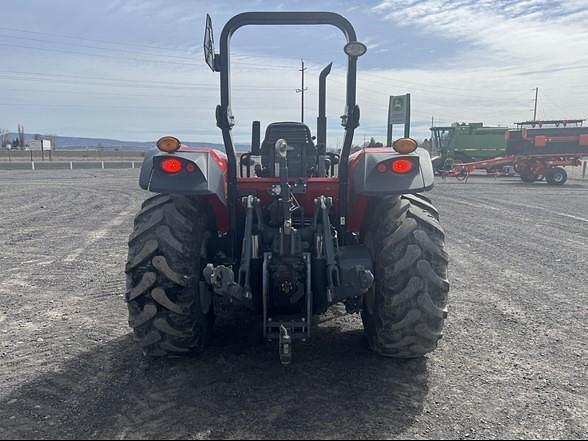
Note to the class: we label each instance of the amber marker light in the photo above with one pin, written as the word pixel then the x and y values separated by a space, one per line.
pixel 405 145
pixel 168 144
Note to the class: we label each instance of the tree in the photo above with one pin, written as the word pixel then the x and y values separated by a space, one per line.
pixel 4 138
pixel 374 143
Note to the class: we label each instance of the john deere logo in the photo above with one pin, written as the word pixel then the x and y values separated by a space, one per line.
pixel 397 104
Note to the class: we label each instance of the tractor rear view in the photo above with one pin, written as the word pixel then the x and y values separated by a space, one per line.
pixel 284 232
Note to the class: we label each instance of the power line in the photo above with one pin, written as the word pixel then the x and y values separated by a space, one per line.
pixel 161 60
pixel 128 95
pixel 92 106
pixel 69 44
pixel 86 54
pixel 236 58
pixel 105 81
pixel 72 37
pixel 428 87
pixel 421 86
pixel 110 84
pixel 564 113
pixel 432 89
pixel 88 77
pixel 373 106
pixel 98 106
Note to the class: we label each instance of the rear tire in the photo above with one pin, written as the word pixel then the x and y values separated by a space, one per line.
pixel 556 176
pixel 168 314
pixel 404 312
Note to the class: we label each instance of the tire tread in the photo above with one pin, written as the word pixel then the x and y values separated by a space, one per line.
pixel 164 259
pixel 410 293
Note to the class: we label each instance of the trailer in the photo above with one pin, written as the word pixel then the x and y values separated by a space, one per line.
pixel 530 168
pixel 555 137
pixel 536 150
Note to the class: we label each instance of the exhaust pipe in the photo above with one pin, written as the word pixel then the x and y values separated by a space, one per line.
pixel 321 121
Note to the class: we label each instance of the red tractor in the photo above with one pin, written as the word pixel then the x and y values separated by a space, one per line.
pixel 298 230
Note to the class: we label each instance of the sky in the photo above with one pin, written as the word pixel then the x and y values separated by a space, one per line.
pixel 134 69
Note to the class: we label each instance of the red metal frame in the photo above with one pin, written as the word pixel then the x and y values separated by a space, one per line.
pixel 315 187
pixel 539 165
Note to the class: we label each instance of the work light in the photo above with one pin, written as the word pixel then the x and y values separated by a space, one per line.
pixel 355 49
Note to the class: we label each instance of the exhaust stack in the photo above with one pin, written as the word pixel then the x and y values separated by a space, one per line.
pixel 321 121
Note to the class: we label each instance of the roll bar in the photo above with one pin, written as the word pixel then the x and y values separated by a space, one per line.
pixel 225 120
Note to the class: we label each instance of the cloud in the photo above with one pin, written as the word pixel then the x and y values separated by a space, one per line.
pixel 508 48
pixel 460 60
pixel 533 31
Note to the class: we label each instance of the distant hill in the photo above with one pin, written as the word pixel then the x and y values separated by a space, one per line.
pixel 77 143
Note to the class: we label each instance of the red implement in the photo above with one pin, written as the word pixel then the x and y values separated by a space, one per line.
pixel 529 167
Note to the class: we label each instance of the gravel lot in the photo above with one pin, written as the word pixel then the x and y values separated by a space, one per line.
pixel 513 362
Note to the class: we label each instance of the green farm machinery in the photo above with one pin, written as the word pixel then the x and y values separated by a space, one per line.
pixel 466 142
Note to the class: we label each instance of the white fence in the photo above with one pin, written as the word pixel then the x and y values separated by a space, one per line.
pixel 71 165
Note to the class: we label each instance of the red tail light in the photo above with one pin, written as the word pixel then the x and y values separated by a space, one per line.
pixel 382 168
pixel 402 166
pixel 171 165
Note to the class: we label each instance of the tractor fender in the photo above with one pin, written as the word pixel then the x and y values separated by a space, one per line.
pixel 367 179
pixel 208 178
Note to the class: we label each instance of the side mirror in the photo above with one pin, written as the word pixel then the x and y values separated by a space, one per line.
pixel 209 43
pixel 256 138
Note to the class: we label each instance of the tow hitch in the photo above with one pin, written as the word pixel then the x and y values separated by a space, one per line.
pixel 285 346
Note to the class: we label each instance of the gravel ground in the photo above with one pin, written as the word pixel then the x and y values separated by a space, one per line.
pixel 512 363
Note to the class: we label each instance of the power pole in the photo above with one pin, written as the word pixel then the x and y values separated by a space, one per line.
pixel 535 109
pixel 301 90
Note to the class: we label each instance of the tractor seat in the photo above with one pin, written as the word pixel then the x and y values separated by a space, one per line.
pixel 302 154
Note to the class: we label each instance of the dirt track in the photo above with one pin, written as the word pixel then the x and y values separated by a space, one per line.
pixel 512 363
